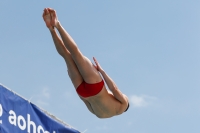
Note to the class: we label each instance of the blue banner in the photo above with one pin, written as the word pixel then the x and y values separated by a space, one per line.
pixel 18 115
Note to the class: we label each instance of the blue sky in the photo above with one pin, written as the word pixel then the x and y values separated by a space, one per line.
pixel 151 49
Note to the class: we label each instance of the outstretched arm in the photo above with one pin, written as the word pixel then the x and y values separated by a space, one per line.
pixel 111 84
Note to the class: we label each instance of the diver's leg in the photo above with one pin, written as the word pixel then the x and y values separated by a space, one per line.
pixel 73 72
pixel 84 65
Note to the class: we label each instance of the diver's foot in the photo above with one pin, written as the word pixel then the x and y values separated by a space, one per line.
pixel 47 18
pixel 54 18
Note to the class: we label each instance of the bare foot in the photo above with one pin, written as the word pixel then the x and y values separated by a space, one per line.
pixel 47 18
pixel 54 18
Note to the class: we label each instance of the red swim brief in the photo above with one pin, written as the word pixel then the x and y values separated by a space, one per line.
pixel 87 90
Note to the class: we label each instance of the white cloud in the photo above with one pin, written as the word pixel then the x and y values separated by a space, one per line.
pixel 84 131
pixel 71 98
pixel 129 123
pixel 42 103
pixel 42 98
pixel 45 93
pixel 104 127
pixel 141 101
pixel 68 94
